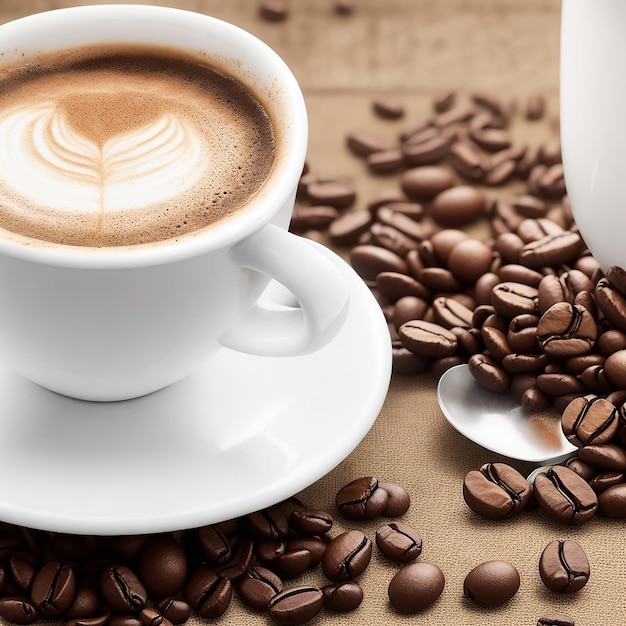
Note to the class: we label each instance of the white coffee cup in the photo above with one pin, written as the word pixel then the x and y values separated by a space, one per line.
pixel 593 123
pixel 117 323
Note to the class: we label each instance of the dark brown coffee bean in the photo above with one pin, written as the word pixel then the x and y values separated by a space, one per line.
pixel 444 101
pixel 450 313
pixel 399 542
pixel 152 617
pixel 516 273
pixel 491 583
pixel 258 586
pixel 175 610
pixel 53 589
pixel 399 500
pixel 242 553
pixel 439 280
pixel 406 224
pixel 415 587
pixel 268 550
pixel 426 152
pixel 347 556
pixel 458 206
pixel 214 544
pixel 23 567
pixel 491 139
pixel 386 161
pixel 424 183
pixel 534 400
pixel 522 334
pixel 468 160
pixel 394 286
pixel 602 481
pixel 315 545
pixel 207 592
pixel 388 108
pixel 124 619
pixel 346 229
pixel 560 384
pixel 557 619
pixel 564 496
pixel 566 330
pixel 122 590
pixel 86 603
pixel 270 523
pixel 296 605
pixel 488 372
pixel 364 143
pixel 405 363
pixel 469 260
pixel 516 363
pixel 427 339
pixel 18 610
pixel 306 218
pixel 564 567
pixel 496 342
pixel 98 620
pixel 292 564
pixel 162 566
pixel 311 521
pixel 589 420
pixel 615 369
pixel 496 491
pixel 361 499
pixel 612 502
pixel 342 597
pixel 335 193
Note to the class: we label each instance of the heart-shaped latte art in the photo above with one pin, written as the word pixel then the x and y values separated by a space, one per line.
pixel 48 162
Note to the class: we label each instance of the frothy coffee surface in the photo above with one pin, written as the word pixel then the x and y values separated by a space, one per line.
pixel 126 147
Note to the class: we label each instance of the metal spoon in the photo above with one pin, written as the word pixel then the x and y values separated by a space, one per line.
pixel 498 422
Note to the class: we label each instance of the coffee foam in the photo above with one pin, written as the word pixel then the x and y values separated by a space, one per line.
pixel 97 154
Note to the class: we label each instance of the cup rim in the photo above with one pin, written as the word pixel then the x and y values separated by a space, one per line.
pixel 280 82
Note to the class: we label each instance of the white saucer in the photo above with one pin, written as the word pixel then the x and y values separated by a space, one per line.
pixel 240 434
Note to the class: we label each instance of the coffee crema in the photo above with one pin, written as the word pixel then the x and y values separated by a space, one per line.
pixel 126 146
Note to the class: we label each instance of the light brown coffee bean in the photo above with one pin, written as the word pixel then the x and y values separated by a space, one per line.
pixel 340 193
pixel 458 206
pixel 427 152
pixel 611 303
pixel 512 299
pixel 386 161
pixel 566 330
pixel 342 597
pixel 552 250
pixel 368 261
pixel 557 619
pixel 470 259
pixel 564 567
pixel 589 420
pixel 608 456
pixel 488 373
pixel 427 339
pixel 615 369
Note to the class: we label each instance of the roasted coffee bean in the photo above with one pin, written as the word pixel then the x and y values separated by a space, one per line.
pixel 293 563
pixel 86 603
pixel 439 279
pixel 470 259
pixel 612 502
pixel 23 567
pixel 564 496
pixel 306 218
pixel 415 587
pixel 296 605
pixel 450 313
pixel 458 206
pixel 399 542
pixel 347 556
pixel 399 499
pixel 444 101
pixel 566 330
pixel 468 160
pixel 589 420
pixel 496 342
pixel 258 586
pixel 152 617
pixel 524 363
pixel 608 456
pixel 339 194
pixel 426 152
pixel 311 521
pixel 273 10
pixel 368 261
pixel 98 620
pixel 405 363
pixel 122 590
pixel 386 161
pixel 427 339
pixel 53 589
pixel 611 303
pixel 602 481
pixel 364 143
pixel 558 619
pixel 270 523
pixel 361 499
pixel 491 583
pixel 214 543
pixel 560 384
pixel 162 566
pixel 424 183
pixel 488 372
pixel 125 619
pixel 496 491
pixel 388 108
pixel 348 227
pixel 342 597
pixel 522 334
pixel 175 610
pixel 615 369
pixel 207 592
pixel 315 545
pixel 243 551
pixel 582 468
pixel 18 609
pixel 511 299
pixel 564 567
pixel 394 286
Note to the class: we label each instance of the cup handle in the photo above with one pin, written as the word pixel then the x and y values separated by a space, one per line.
pixel 312 278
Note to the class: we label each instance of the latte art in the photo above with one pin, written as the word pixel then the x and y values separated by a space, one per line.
pixel 153 163
pixel 125 147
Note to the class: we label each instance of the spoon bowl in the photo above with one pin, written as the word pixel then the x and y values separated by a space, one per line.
pixel 497 421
